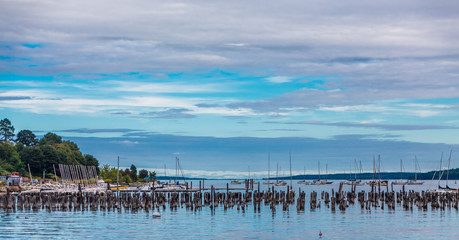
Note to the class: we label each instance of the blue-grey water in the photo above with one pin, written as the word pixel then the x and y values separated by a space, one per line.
pixel 353 223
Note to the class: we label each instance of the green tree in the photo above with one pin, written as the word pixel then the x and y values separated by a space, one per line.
pixel 10 159
pixel 126 179
pixel 133 173
pixel 104 171
pixel 51 156
pixel 6 130
pixel 143 174
pixel 152 176
pixel 33 157
pixel 92 161
pixel 71 152
pixel 26 137
pixel 50 139
pixel 107 172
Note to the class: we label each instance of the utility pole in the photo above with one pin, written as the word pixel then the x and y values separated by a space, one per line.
pixel 118 177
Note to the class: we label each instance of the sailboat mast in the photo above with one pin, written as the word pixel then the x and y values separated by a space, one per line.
pixel 374 169
pixel 176 172
pixel 269 159
pixel 165 173
pixel 355 169
pixel 379 167
pixel 447 173
pixel 290 157
pixel 350 171
pixel 277 172
pixel 318 163
pixel 401 169
pixel 304 173
pixel 441 172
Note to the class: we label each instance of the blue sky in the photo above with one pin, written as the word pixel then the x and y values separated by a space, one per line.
pixel 227 83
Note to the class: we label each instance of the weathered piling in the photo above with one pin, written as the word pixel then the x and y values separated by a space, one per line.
pixel 228 199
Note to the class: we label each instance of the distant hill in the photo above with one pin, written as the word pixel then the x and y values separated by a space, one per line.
pixel 343 176
pixel 453 174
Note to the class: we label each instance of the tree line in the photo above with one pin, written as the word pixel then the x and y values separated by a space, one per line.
pixel 128 175
pixel 18 151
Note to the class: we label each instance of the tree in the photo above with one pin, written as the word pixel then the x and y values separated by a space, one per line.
pixel 50 139
pixel 50 156
pixel 34 157
pixel 71 152
pixel 143 174
pixel 127 179
pixel 10 159
pixel 108 173
pixel 152 176
pixel 6 130
pixel 92 161
pixel 26 137
pixel 133 173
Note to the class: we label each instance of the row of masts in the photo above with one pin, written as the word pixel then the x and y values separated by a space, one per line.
pixel 441 172
pixel 85 175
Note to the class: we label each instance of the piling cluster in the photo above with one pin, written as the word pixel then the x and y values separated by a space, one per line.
pixel 240 200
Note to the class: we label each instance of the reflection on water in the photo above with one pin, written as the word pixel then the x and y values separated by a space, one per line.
pixel 354 223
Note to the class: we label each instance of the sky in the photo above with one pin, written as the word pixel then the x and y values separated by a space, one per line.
pixel 224 84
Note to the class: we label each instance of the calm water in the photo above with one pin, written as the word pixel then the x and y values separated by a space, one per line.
pixel 354 223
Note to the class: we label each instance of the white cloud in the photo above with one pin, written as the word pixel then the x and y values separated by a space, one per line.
pixel 279 79
pixel 426 105
pixel 355 108
pixel 169 87
pixel 236 44
pixel 126 142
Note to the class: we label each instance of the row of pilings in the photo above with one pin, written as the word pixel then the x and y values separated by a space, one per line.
pixel 196 200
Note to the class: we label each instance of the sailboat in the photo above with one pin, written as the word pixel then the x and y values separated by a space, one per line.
pixel 354 181
pixel 401 181
pixel 447 176
pixel 304 180
pixel 248 179
pixel 279 183
pixel 176 185
pixel 378 182
pixel 416 167
pixel 321 182
pixel 268 182
pixel 236 182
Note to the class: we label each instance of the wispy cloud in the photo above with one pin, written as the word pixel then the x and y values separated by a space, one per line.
pixel 107 130
pixel 279 79
pixel 126 142
pixel 12 98
pixel 170 87
pixel 172 113
pixel 390 127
